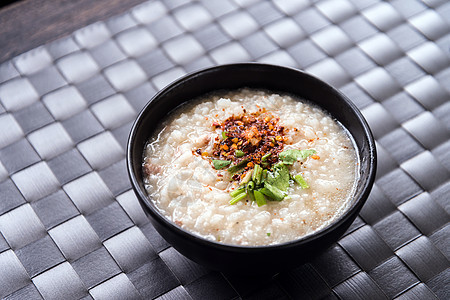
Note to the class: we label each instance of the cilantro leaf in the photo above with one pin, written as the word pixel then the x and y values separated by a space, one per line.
pixel 272 192
pixel 220 164
pixel 292 155
pixel 279 177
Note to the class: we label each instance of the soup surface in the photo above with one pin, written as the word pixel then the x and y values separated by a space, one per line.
pixel 249 167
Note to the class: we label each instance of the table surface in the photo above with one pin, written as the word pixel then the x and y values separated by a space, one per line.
pixel 20 20
pixel 70 226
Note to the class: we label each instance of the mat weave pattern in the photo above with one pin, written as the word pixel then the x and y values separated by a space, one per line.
pixel 72 228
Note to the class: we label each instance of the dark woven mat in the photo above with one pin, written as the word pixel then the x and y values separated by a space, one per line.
pixel 72 228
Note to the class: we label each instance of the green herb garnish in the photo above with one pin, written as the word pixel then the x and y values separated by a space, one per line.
pixel 237 191
pixel 238 198
pixel 260 184
pixel 273 192
pixel 224 135
pixel 236 168
pixel 250 186
pixel 257 174
pixel 292 155
pixel 264 175
pixel 247 177
pixel 268 234
pixel 239 153
pixel 279 177
pixel 251 195
pixel 220 164
pixel 301 181
pixel 266 156
pixel 259 198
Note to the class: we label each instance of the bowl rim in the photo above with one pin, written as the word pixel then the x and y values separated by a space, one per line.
pixel 157 215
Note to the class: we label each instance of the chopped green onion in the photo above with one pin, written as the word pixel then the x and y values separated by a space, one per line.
pixel 260 184
pixel 247 177
pixel 238 198
pixel 224 135
pixel 268 234
pixel 237 191
pixel 301 181
pixel 257 173
pixel 266 156
pixel 259 198
pixel 239 153
pixel 264 175
pixel 236 168
pixel 251 186
pixel 251 195
pixel 220 164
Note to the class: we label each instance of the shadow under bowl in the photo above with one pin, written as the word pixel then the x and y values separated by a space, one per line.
pixel 247 259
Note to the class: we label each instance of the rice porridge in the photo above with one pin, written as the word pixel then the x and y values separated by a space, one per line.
pixel 249 167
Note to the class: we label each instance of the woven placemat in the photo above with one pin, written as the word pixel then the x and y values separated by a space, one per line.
pixel 72 228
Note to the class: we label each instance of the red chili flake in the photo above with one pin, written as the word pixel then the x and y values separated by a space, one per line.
pixel 254 134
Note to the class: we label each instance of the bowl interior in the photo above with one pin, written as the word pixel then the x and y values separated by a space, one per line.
pixel 269 77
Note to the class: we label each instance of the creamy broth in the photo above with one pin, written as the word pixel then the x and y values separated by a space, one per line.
pixel 183 183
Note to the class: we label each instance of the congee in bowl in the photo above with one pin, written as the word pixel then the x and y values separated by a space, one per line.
pixel 250 167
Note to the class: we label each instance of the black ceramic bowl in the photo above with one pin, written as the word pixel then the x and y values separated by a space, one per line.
pixel 230 258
